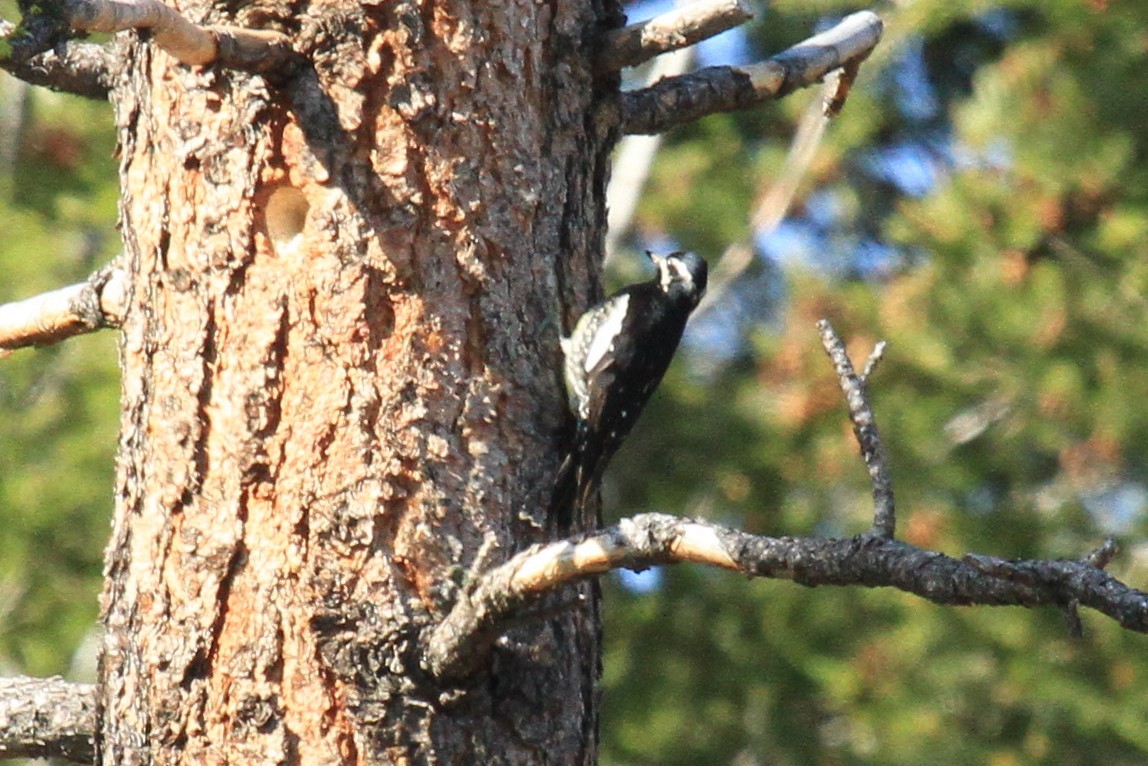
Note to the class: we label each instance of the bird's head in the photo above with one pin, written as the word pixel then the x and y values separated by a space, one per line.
pixel 681 273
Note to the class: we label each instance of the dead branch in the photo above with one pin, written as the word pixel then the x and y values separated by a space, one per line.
pixel 77 309
pixel 495 598
pixel 458 643
pixel 841 85
pixel 864 426
pixel 47 718
pixel 675 29
pixel 71 67
pixel 254 50
pixel 679 100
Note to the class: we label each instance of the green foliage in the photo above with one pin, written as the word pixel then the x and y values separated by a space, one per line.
pixel 58 406
pixel 1010 401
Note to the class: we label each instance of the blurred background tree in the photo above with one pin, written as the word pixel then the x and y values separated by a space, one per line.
pixel 980 203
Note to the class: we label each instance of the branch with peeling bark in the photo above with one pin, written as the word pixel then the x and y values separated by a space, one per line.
pixel 679 100
pixel 497 598
pixel 77 309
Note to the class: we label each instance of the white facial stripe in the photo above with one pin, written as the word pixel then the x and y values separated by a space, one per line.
pixel 664 272
pixel 606 333
pixel 683 272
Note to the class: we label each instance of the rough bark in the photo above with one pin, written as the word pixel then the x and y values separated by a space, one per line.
pixel 339 357
pixel 47 718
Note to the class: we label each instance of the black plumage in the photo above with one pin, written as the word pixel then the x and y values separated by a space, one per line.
pixel 614 359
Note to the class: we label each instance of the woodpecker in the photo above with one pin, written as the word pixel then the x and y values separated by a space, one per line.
pixel 614 359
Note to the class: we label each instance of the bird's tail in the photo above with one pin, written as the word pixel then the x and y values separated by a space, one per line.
pixel 574 486
pixel 564 496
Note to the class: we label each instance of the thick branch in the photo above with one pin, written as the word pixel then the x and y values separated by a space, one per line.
pixel 234 47
pixel 82 71
pixel 676 29
pixel 74 310
pixel 868 560
pixel 80 68
pixel 47 718
pixel 873 559
pixel 678 100
pixel 72 67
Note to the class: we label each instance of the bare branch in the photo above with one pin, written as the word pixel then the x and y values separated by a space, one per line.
pixel 74 310
pixel 188 42
pixel 864 427
pixel 498 598
pixel 39 52
pixel 1100 559
pixel 1102 556
pixel 31 37
pixel 841 83
pixel 47 718
pixel 73 67
pixel 85 70
pixel 874 359
pixel 678 100
pixel 234 47
pixel 455 646
pixel 675 29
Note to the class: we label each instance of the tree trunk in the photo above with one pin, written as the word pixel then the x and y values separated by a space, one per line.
pixel 340 383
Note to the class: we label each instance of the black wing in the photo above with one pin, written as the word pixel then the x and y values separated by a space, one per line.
pixel 621 384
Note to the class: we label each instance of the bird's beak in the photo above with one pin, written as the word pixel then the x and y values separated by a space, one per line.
pixel 659 260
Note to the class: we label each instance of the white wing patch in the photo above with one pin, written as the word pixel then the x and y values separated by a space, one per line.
pixel 606 333
pixel 589 343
